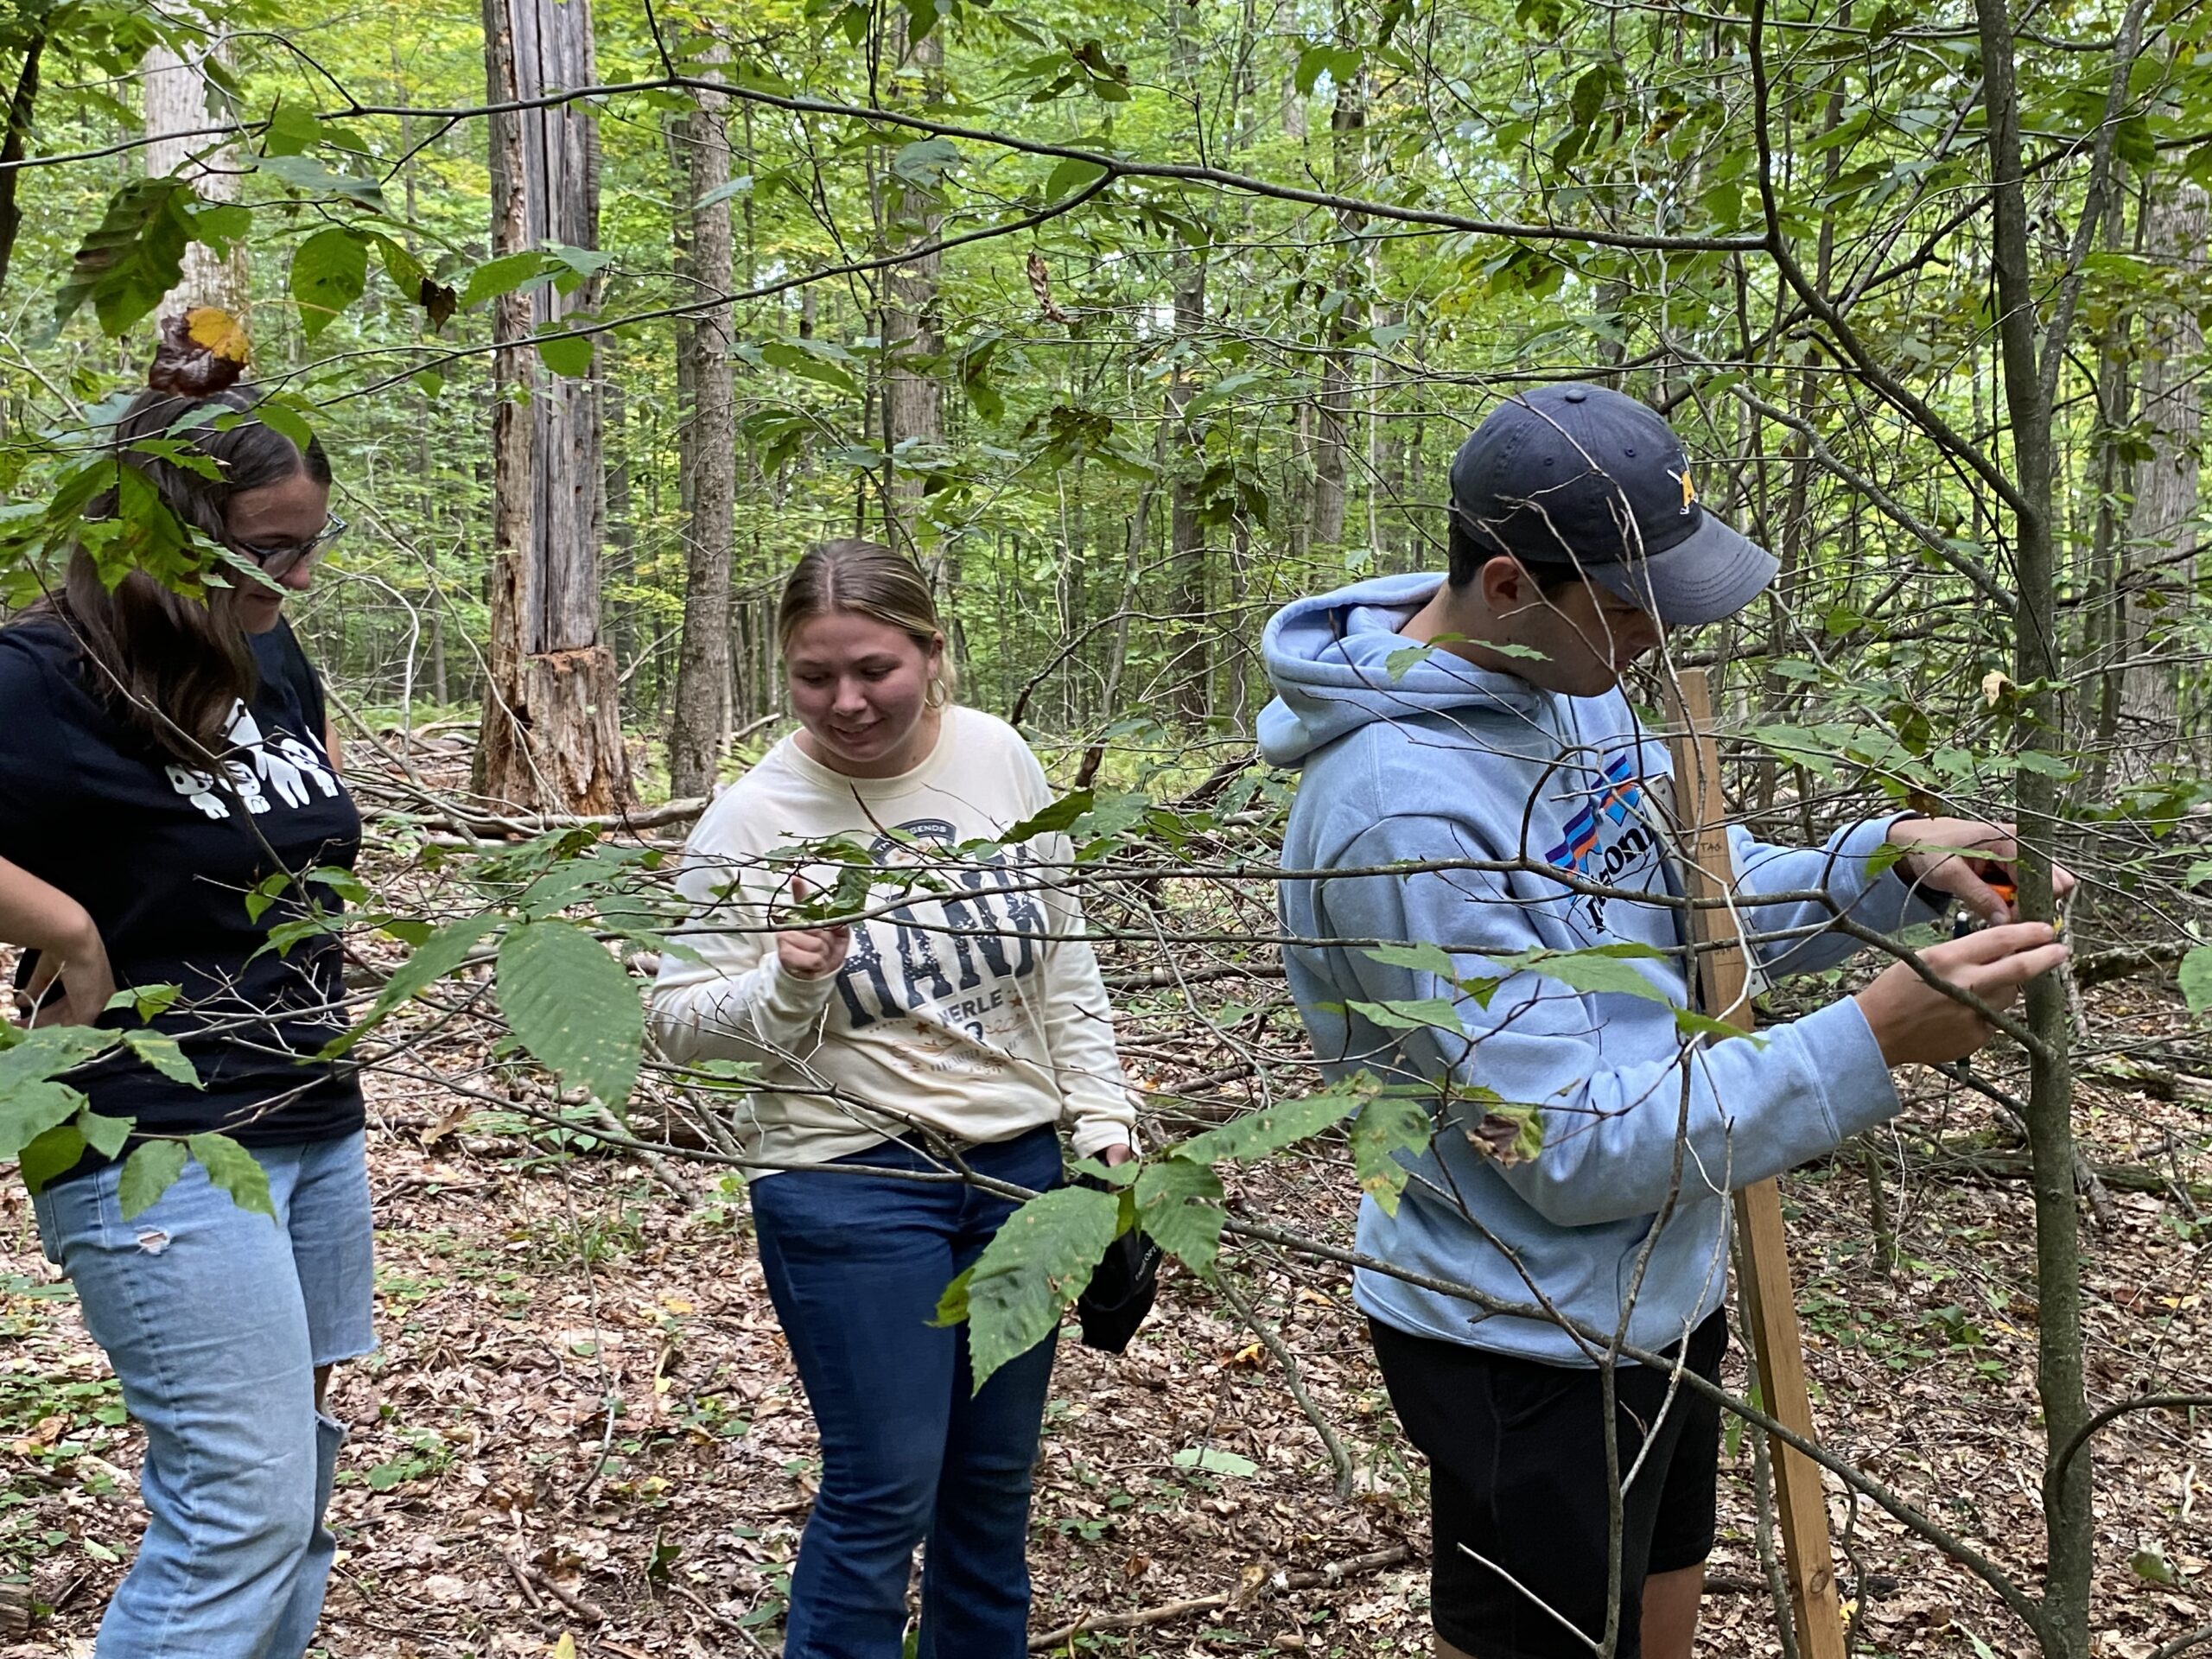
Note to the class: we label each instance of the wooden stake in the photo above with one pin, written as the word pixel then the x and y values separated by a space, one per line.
pixel 1769 1298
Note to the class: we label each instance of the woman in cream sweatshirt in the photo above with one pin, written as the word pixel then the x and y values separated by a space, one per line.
pixel 970 1020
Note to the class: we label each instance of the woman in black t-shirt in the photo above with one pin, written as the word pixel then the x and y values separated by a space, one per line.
pixel 165 759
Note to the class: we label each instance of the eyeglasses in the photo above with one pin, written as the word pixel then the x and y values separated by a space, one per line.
pixel 285 557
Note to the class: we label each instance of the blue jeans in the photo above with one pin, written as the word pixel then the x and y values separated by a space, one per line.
pixel 215 1320
pixel 909 1452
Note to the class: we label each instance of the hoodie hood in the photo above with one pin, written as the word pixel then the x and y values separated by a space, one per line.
pixel 1337 663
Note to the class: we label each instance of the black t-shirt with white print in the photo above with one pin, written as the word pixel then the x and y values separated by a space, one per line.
pixel 165 857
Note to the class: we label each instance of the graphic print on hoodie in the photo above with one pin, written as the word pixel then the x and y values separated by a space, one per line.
pixel 1442 762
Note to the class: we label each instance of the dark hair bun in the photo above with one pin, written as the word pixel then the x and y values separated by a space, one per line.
pixel 203 351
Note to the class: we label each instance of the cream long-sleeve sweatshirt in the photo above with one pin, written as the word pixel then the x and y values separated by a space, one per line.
pixel 976 1009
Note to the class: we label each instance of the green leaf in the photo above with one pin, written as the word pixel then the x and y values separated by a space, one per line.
pixel 269 890
pixel 310 177
pixel 293 128
pixel 1181 1205
pixel 795 356
pixel 30 1109
pixel 236 1170
pixel 2196 980
pixel 329 271
pixel 507 274
pixel 1071 176
pixel 2049 766
pixel 221 224
pixel 147 1173
pixel 2151 1566
pixel 164 1055
pixel 576 265
pixel 436 957
pixel 104 1134
pixel 407 273
pixel 1033 1267
pixel 740 186
pixel 150 1002
pixel 1691 1023
pixel 925 162
pixel 135 257
pixel 1212 1460
pixel 1604 968
pixel 1053 819
pixel 565 354
pixel 1257 1133
pixel 573 1007
pixel 1387 1125
pixel 54 1152
pixel 34 1056
pixel 1422 958
pixel 2199 873
pixel 1340 64
pixel 1411 1014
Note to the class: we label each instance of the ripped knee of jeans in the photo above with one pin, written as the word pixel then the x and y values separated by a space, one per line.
pixel 153 1241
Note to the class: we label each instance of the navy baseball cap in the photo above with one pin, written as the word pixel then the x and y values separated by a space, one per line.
pixel 1583 476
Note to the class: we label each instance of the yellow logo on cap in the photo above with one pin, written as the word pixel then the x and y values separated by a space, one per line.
pixel 1689 490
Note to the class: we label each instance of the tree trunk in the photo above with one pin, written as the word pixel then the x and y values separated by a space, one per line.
pixel 552 734
pixel 22 103
pixel 621 520
pixel 911 330
pixel 2032 358
pixel 702 672
pixel 1190 671
pixel 176 90
pixel 2160 564
pixel 1332 412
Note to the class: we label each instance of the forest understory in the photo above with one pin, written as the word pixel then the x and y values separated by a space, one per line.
pixel 582 1432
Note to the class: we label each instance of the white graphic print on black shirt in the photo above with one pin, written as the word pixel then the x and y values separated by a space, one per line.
pixel 162 858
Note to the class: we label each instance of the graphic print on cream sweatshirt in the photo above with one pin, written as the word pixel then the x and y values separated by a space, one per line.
pixel 980 1013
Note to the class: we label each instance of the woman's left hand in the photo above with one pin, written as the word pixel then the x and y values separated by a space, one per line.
pixel 1115 1155
pixel 1970 860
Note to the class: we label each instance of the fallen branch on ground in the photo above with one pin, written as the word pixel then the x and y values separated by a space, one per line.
pixel 2124 962
pixel 1168 979
pixel 1274 1584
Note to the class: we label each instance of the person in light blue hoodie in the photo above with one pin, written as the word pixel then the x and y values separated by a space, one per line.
pixel 1474 780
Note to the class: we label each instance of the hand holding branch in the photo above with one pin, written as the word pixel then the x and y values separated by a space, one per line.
pixel 812 952
pixel 1969 860
pixel 1913 1021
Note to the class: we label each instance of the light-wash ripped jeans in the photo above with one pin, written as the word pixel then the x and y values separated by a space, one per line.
pixel 215 1320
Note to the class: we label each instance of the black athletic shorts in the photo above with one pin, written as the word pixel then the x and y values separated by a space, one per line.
pixel 1518 1477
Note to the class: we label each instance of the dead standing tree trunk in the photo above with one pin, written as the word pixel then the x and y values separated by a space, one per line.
pixel 177 102
pixel 552 731
pixel 702 675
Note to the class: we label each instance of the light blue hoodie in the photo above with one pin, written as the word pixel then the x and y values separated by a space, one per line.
pixel 1411 756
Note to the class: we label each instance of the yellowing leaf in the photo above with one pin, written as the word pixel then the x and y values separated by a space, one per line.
pixel 566 1646
pixel 217 331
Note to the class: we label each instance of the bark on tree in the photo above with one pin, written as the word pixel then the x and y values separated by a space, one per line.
pixel 703 670
pixel 2032 354
pixel 1332 411
pixel 21 102
pixel 912 332
pixel 1191 668
pixel 552 735
pixel 176 89
pixel 2160 563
